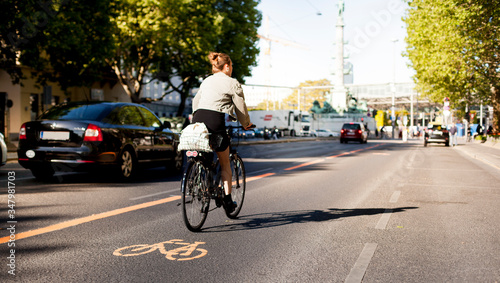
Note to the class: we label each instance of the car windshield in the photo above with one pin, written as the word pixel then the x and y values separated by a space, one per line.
pixel 435 127
pixel 351 126
pixel 76 111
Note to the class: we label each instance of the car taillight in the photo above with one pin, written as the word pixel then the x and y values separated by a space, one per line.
pixel 360 132
pixel 22 132
pixel 93 133
pixel 342 131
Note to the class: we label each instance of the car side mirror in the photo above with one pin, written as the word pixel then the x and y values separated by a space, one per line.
pixel 167 125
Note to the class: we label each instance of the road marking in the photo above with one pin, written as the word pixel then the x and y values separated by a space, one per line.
pixel 253 178
pixel 358 271
pixel 258 171
pixel 305 164
pixel 395 196
pixel 87 219
pixel 382 222
pixel 78 221
pixel 155 194
pixel 184 253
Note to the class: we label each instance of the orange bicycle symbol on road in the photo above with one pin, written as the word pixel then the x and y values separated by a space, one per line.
pixel 187 251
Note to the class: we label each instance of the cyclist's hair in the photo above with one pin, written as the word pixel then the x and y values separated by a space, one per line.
pixel 218 60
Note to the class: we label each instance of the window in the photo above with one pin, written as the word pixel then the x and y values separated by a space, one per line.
pixel 129 115
pixel 150 119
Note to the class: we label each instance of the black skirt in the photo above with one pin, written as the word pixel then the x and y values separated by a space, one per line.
pixel 216 125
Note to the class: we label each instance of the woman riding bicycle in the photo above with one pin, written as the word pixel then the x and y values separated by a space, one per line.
pixel 219 94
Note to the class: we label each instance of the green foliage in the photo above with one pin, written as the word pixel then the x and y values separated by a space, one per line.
pixel 172 38
pixel 76 43
pixel 66 43
pixel 454 47
pixel 10 26
pixel 239 23
pixel 307 96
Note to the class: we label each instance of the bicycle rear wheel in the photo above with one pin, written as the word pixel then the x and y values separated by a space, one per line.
pixel 195 197
pixel 238 185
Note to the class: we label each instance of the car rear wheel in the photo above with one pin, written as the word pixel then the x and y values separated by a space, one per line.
pixel 127 165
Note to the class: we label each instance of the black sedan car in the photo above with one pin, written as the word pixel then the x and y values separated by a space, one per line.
pixel 436 133
pixel 83 136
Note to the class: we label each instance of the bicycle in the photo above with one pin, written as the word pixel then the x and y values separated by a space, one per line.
pixel 202 182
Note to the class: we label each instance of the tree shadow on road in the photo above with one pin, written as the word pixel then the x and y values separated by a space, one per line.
pixel 276 219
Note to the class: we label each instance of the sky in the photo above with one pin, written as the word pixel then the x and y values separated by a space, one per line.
pixel 370 28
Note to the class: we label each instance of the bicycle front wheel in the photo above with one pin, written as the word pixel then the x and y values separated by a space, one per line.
pixel 195 197
pixel 238 185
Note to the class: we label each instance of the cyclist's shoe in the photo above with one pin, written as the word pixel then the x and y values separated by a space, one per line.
pixel 229 204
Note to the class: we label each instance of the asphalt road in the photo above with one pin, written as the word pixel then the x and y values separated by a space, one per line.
pixel 315 211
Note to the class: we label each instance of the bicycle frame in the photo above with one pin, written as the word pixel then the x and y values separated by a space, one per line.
pixel 201 183
pixel 207 159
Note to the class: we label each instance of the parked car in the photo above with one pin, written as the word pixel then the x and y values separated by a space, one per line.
pixel 3 150
pixel 84 136
pixel 322 133
pixel 436 133
pixel 353 131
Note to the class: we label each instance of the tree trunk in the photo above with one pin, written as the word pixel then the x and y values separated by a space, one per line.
pixel 495 101
pixel 182 105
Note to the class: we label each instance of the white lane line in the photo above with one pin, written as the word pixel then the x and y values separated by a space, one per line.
pixel 382 223
pixel 395 196
pixel 358 271
pixel 155 194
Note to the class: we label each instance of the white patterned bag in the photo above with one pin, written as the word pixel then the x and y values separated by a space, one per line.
pixel 195 137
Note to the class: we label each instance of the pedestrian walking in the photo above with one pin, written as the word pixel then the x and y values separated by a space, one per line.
pixel 453 135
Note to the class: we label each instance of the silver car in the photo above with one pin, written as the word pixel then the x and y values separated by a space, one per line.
pixel 3 148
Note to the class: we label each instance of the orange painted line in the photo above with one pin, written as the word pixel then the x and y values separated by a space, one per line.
pixel 115 212
pixel 87 219
pixel 250 179
pixel 338 155
pixel 306 164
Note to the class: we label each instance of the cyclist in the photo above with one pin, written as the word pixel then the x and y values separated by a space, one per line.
pixel 219 94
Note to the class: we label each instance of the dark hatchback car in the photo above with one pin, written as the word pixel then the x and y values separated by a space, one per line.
pixel 84 136
pixel 436 133
pixel 353 131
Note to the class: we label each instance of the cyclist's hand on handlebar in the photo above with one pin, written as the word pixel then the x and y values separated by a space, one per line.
pixel 249 126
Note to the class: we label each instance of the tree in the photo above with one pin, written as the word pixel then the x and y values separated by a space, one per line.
pixel 307 96
pixel 454 47
pixel 170 41
pixel 10 27
pixel 63 43
pixel 228 26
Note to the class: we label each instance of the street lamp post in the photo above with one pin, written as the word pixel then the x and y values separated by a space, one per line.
pixel 393 84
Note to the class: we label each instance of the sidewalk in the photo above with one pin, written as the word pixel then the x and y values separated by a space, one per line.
pixel 487 152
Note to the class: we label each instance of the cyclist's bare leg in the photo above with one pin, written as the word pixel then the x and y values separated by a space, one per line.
pixel 225 165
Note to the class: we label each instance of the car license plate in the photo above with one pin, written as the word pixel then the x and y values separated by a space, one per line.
pixel 350 134
pixel 437 132
pixel 55 136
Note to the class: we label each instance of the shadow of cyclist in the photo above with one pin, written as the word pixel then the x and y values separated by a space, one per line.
pixel 275 219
